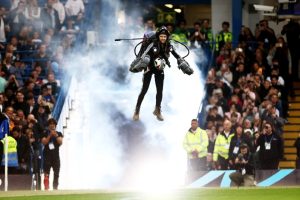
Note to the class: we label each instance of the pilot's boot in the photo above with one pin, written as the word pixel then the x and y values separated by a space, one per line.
pixel 158 114
pixel 136 114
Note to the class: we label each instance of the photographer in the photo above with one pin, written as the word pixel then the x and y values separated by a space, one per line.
pixel 265 34
pixel 239 138
pixel 46 98
pixel 244 176
pixel 270 147
pixel 271 114
pixel 197 37
pixel 51 140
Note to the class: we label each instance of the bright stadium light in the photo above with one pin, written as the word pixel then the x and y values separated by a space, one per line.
pixel 169 5
pixel 178 10
pixel 263 8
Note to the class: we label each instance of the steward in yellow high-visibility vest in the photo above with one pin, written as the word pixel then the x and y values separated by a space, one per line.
pixel 222 144
pixel 181 34
pixel 195 144
pixel 208 34
pixel 223 37
pixel 12 154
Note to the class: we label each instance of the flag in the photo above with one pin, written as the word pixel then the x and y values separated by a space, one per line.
pixel 4 128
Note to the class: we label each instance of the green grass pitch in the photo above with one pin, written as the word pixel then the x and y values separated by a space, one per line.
pixel 280 193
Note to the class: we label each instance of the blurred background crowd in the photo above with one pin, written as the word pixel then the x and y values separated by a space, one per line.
pixel 249 85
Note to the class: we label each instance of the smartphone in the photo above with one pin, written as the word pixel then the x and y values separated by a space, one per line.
pixel 239 50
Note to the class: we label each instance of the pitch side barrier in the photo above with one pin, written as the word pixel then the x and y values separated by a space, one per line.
pixel 17 182
pixel 220 178
pixel 263 178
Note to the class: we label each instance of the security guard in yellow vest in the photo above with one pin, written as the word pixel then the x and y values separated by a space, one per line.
pixel 208 34
pixel 195 143
pixel 12 154
pixel 223 37
pixel 221 150
pixel 181 34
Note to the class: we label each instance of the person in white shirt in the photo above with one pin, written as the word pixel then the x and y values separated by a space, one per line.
pixel 32 10
pixel 3 26
pixel 225 72
pixel 1 102
pixel 14 4
pixel 59 7
pixel 74 7
pixel 33 14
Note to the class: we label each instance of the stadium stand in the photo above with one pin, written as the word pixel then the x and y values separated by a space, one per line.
pixel 246 83
pixel 34 42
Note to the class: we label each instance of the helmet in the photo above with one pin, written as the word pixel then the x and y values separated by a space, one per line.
pixel 162 30
pixel 159 63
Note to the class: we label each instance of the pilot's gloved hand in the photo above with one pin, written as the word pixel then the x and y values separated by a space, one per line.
pixel 184 66
pixel 139 64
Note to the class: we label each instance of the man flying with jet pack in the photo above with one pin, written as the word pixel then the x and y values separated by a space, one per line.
pixel 152 59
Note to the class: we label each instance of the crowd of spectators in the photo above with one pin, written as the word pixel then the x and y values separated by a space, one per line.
pixel 35 38
pixel 247 87
pixel 246 101
pixel 247 90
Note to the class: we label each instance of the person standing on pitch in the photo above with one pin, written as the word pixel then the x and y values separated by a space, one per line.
pixel 51 140
pixel 195 144
pixel 270 147
pixel 222 144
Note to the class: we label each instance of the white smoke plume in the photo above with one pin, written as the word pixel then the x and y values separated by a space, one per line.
pixel 103 147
